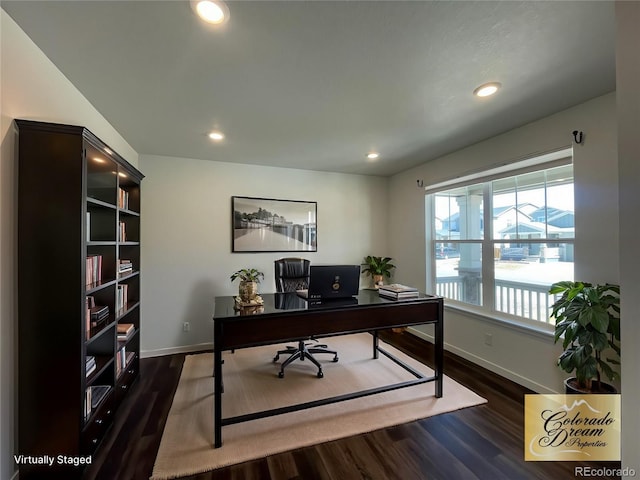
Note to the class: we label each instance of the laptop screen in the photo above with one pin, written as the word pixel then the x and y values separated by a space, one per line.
pixel 333 281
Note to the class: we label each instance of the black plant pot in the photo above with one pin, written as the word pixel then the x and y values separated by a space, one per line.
pixel 571 387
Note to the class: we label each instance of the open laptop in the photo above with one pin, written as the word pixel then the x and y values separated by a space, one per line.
pixel 327 282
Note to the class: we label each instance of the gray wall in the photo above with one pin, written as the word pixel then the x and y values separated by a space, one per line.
pixel 628 96
pixel 186 236
pixel 524 356
pixel 33 88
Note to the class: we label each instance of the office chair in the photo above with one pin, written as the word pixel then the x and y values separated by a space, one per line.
pixel 292 274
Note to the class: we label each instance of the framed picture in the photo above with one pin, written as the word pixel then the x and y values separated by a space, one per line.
pixel 270 225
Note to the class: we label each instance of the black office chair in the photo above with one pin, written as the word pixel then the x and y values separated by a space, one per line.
pixel 293 274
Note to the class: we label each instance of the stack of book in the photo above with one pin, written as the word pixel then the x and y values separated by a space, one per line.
pixel 124 267
pixel 125 330
pixel 90 362
pixel 98 314
pixel 396 291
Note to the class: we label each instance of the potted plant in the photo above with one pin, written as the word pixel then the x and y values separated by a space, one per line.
pixel 378 268
pixel 588 321
pixel 249 279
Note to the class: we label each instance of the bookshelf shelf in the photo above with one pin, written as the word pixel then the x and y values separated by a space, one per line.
pixel 72 187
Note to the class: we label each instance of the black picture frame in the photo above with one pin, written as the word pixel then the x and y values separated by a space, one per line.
pixel 273 225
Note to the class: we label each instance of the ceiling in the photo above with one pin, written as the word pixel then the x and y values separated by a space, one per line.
pixel 318 84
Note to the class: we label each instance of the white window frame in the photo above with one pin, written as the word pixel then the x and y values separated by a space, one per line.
pixel 487 309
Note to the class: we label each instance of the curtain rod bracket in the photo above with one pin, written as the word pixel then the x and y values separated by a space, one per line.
pixel 578 137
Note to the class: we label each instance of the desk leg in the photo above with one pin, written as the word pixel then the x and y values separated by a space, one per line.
pixel 439 352
pixel 217 389
pixel 375 344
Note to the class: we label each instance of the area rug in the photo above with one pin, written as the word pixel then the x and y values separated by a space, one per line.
pixel 251 384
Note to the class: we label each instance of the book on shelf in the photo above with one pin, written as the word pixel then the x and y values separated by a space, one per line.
pixel 122 292
pixel 123 198
pixel 91 365
pixel 98 392
pixel 93 395
pixel 99 312
pixel 125 328
pixel 89 304
pixel 123 359
pixel 125 331
pixel 125 266
pixel 88 226
pixel 122 231
pixel 93 269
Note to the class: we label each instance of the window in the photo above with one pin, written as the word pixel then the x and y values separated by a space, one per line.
pixel 498 242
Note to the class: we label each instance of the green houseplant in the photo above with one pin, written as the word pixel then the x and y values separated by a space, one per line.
pixel 249 279
pixel 588 322
pixel 378 268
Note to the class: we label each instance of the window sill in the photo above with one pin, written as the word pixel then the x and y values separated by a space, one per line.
pixel 544 330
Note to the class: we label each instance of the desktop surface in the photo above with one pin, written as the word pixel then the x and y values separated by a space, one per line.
pixel 279 303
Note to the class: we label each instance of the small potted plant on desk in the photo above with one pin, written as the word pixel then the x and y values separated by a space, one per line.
pixel 248 288
pixel 378 268
pixel 588 320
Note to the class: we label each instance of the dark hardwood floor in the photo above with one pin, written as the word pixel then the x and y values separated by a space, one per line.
pixel 484 442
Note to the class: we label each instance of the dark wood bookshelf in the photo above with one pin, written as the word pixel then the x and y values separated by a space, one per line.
pixel 76 197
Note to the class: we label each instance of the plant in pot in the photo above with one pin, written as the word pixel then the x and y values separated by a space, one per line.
pixel 378 268
pixel 249 279
pixel 588 322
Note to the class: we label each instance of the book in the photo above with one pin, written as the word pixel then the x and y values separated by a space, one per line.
pixel 98 392
pixel 397 291
pixel 397 288
pixel 93 269
pixel 125 328
pixel 98 313
pixel 122 296
pixel 90 370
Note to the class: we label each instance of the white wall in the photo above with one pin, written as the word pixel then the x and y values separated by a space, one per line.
pixel 32 88
pixel 628 101
pixel 523 356
pixel 186 236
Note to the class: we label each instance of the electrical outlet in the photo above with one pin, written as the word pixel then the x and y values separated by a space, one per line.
pixel 186 327
pixel 488 339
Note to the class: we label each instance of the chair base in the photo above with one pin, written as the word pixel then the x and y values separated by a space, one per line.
pixel 301 352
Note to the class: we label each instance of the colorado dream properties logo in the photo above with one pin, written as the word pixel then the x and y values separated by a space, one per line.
pixel 572 427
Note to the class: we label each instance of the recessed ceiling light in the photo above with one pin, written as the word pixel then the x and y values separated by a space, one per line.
pixel 215 12
pixel 98 160
pixel 372 155
pixel 216 136
pixel 487 89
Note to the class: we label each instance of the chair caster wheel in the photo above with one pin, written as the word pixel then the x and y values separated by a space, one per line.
pixel 320 374
pixel 335 359
pixel 276 358
pixel 280 374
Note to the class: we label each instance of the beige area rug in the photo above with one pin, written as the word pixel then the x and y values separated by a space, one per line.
pixel 251 384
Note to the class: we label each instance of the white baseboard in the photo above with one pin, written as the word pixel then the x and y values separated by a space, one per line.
pixel 170 351
pixel 497 369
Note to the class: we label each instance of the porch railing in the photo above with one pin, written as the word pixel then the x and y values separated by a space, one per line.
pixel 526 300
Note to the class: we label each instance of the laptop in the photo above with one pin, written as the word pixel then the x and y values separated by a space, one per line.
pixel 327 282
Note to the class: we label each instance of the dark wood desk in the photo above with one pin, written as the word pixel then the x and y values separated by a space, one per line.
pixel 286 317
